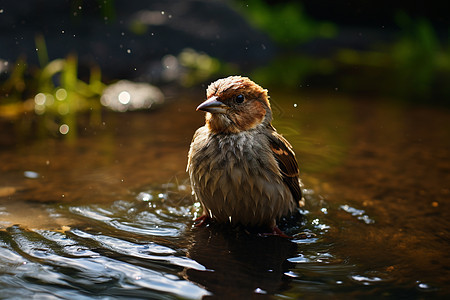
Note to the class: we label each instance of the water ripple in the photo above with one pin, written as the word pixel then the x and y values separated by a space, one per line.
pixel 145 251
pixel 46 262
pixel 358 213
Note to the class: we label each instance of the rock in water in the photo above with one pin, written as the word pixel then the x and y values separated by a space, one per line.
pixel 127 96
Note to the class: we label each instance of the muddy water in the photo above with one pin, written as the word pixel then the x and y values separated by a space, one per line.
pixel 110 214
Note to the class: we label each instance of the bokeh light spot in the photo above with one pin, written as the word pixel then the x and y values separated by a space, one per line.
pixel 124 97
pixel 39 99
pixel 61 94
pixel 64 129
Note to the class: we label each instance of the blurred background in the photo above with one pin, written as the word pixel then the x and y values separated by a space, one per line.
pixel 97 111
pixel 58 57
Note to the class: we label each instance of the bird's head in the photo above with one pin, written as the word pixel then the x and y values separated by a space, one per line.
pixel 235 104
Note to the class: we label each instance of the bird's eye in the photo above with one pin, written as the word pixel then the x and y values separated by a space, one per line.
pixel 240 98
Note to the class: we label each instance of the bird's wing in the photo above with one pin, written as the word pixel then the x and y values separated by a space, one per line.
pixel 287 163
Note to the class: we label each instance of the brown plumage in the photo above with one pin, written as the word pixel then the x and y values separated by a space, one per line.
pixel 241 169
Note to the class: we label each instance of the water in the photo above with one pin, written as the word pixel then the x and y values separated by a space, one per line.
pixel 110 215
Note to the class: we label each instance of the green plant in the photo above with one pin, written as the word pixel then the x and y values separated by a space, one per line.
pixel 286 23
pixel 200 67
pixel 57 94
pixel 62 102
pixel 415 67
pixel 419 57
pixel 14 87
pixel 292 70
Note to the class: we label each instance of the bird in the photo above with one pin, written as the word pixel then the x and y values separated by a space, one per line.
pixel 241 170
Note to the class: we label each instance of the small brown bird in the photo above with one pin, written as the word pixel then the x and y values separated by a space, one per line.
pixel 241 170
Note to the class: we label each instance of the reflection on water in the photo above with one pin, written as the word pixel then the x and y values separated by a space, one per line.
pixel 111 215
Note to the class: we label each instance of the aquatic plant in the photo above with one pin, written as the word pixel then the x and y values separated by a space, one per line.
pixel 14 86
pixel 54 92
pixel 414 67
pixel 61 95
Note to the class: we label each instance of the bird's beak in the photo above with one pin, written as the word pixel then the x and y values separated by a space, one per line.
pixel 213 105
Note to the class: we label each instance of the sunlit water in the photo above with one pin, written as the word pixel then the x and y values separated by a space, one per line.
pixel 110 215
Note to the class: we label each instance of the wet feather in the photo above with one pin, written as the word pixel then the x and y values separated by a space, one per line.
pixel 252 171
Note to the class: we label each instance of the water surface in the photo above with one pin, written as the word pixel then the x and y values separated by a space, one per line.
pixel 110 214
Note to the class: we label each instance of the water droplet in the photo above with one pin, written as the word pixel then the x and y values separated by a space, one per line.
pixel 290 274
pixel 423 286
pixel 144 196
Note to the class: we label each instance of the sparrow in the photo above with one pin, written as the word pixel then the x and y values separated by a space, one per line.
pixel 241 169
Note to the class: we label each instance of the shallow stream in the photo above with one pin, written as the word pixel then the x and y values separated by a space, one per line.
pixel 109 215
